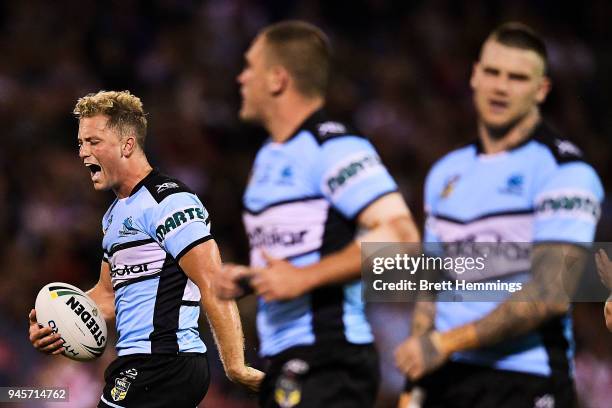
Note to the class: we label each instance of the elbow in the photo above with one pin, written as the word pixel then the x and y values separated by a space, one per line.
pixel 405 230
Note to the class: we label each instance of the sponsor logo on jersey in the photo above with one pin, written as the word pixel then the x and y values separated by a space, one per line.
pixel 127 228
pixel 449 187
pixel 177 220
pixel 88 319
pixel 568 204
pixel 514 185
pixel 127 270
pixel 326 128
pixel 351 171
pixel 261 238
pixel 489 245
pixel 567 148
pixel 166 186
pixel 119 391
pixel 131 373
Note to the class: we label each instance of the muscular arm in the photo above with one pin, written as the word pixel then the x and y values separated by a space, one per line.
pixel 556 269
pixel 386 220
pixel 102 293
pixel 201 264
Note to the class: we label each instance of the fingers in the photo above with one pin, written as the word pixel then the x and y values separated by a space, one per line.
pixel 226 283
pixel 269 258
pixel 37 333
pixel 32 317
pixel 604 256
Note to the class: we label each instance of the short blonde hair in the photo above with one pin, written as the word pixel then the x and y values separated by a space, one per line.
pixel 123 109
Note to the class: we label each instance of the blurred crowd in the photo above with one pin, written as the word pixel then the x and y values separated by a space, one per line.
pixel 401 76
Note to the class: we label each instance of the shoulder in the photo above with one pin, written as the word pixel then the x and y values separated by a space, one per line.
pixel 160 186
pixel 453 161
pixel 324 128
pixel 560 148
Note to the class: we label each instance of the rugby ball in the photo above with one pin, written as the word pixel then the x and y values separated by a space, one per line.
pixel 75 316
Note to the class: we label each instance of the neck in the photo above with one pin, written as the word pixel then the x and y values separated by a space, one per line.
pixel 290 113
pixel 515 134
pixel 133 174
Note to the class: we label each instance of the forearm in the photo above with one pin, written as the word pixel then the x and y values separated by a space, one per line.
pixel 423 317
pixel 555 273
pixel 105 302
pixel 225 322
pixel 345 264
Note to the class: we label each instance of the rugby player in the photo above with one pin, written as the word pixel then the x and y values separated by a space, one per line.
pixel 314 182
pixel 159 259
pixel 509 186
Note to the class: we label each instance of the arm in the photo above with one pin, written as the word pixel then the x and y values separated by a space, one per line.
pixel 201 264
pixel 555 269
pixel 387 219
pixel 102 293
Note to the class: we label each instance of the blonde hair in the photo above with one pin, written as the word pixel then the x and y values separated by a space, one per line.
pixel 123 109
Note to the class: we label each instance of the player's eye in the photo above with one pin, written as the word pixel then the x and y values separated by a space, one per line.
pixel 491 71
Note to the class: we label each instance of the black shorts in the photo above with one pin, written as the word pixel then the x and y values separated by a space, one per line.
pixel 467 385
pixel 156 380
pixel 340 376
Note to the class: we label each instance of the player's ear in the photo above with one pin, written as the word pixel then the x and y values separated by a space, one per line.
pixel 128 145
pixel 278 79
pixel 543 89
pixel 474 77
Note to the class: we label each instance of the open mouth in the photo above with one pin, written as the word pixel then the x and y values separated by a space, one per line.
pixel 497 104
pixel 93 168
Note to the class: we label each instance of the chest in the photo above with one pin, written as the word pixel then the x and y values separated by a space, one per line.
pixel 122 225
pixel 280 174
pixel 485 187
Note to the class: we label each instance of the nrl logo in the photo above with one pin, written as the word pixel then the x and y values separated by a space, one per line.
pixel 119 391
pixel 166 186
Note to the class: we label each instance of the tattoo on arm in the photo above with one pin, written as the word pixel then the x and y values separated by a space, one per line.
pixel 423 317
pixel 556 269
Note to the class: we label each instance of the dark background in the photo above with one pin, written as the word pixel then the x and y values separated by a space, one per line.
pixel 401 76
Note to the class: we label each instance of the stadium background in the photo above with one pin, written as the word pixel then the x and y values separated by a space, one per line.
pixel 401 76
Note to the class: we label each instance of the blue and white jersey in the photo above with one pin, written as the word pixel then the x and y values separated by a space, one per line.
pixel 538 191
pixel 302 203
pixel 145 235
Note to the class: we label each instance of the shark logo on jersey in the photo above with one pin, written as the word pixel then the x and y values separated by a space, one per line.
pixel 514 185
pixel 166 186
pixel 127 228
pixel 108 224
pixel 449 187
pixel 286 176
